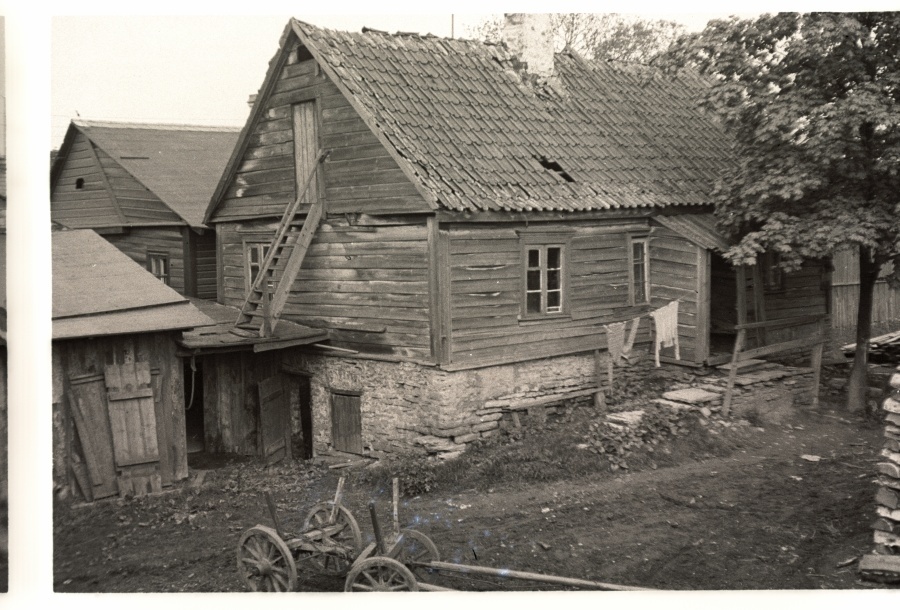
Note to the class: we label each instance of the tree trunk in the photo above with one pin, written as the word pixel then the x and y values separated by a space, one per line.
pixel 858 387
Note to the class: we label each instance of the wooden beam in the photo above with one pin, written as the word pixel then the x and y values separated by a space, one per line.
pixel 444 296
pixel 782 322
pixel 435 310
pixel 517 575
pixel 732 374
pixel 704 276
pixel 189 252
pixel 775 348
pixel 540 216
pixel 109 189
pixel 759 304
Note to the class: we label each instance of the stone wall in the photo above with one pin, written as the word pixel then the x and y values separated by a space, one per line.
pixel 408 407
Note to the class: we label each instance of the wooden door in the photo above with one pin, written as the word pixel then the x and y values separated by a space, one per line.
pixel 274 420
pixel 132 418
pixel 306 148
pixel 95 469
pixel 346 423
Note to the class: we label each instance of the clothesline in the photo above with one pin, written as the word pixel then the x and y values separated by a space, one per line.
pixel 666 333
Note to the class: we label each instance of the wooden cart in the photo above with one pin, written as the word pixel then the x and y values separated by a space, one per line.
pixel 331 544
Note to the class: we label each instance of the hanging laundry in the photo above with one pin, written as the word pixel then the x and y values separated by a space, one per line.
pixel 615 340
pixel 666 325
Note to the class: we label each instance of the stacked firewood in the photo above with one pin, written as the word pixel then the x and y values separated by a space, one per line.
pixel 884 563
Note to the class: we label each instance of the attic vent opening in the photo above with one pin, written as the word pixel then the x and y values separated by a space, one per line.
pixel 553 166
pixel 79 183
pixel 133 157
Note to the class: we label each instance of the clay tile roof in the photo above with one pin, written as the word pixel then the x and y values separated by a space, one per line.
pixel 629 135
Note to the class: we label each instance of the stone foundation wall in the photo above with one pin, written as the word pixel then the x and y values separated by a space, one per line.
pixel 408 407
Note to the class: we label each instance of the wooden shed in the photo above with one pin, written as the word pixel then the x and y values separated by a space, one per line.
pixel 145 187
pixel 118 388
pixel 468 231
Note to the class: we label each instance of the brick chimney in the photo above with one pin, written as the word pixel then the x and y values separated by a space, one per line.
pixel 530 38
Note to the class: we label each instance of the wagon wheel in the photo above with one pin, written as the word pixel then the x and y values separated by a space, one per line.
pixel 380 574
pixel 417 548
pixel 264 561
pixel 348 539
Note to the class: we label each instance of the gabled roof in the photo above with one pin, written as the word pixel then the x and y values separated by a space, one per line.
pixel 180 164
pixel 473 131
pixel 98 290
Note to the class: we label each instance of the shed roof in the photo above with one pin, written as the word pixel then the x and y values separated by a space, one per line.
pixel 220 337
pixel 180 164
pixel 475 132
pixel 698 228
pixel 98 290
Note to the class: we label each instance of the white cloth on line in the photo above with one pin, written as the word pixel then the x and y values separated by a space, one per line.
pixel 666 325
pixel 615 340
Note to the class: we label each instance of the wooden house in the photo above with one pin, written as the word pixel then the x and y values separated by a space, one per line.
pixel 468 223
pixel 145 188
pixel 118 387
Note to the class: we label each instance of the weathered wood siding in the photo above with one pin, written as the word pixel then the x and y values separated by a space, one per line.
pixel 805 293
pixel 368 286
pixel 205 263
pixel 486 284
pixel 677 272
pixel 89 206
pixel 137 202
pixel 845 299
pixel 231 399
pixel 80 357
pixel 136 242
pixel 358 176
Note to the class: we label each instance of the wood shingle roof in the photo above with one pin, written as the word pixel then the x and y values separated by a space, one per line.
pixel 475 132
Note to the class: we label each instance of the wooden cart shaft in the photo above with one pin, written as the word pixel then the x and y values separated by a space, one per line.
pixel 532 576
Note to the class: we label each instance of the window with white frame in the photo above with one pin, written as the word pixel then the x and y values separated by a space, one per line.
pixel 638 270
pixel 158 265
pixel 254 256
pixel 545 283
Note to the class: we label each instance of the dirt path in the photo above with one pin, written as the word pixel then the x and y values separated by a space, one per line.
pixel 762 518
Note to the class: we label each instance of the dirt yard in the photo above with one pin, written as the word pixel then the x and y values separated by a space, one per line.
pixel 758 515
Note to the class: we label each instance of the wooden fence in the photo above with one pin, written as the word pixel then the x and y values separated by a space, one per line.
pixel 845 297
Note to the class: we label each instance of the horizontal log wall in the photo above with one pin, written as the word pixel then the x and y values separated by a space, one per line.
pixel 137 242
pixel 205 253
pixel 89 206
pixel 674 275
pixel 805 293
pixel 486 279
pixel 359 176
pixel 368 286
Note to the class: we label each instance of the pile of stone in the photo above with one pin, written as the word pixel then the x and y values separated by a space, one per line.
pixel 884 563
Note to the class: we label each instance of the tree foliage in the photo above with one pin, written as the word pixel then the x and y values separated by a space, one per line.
pixel 813 104
pixel 600 35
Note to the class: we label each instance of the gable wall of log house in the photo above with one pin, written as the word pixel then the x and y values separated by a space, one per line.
pixel 359 176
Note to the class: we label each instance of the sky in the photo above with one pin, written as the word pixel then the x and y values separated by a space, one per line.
pixel 194 69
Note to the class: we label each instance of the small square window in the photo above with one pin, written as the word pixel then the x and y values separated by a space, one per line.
pixel 158 265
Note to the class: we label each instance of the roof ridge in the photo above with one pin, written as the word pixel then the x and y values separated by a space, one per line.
pixel 146 125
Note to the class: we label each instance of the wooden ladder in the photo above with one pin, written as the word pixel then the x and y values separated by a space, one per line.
pixel 267 296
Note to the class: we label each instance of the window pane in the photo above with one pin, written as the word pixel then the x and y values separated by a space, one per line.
pixel 554 299
pixel 553 258
pixel 254 254
pixel 533 302
pixel 534 258
pixel 534 280
pixel 553 280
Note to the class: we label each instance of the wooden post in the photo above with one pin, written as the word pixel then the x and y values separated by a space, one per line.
pixel 339 492
pixel 741 278
pixel 600 396
pixel 816 364
pixel 396 507
pixel 759 304
pixel 732 374
pixel 376 528
pixel 266 311
pixel 272 512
